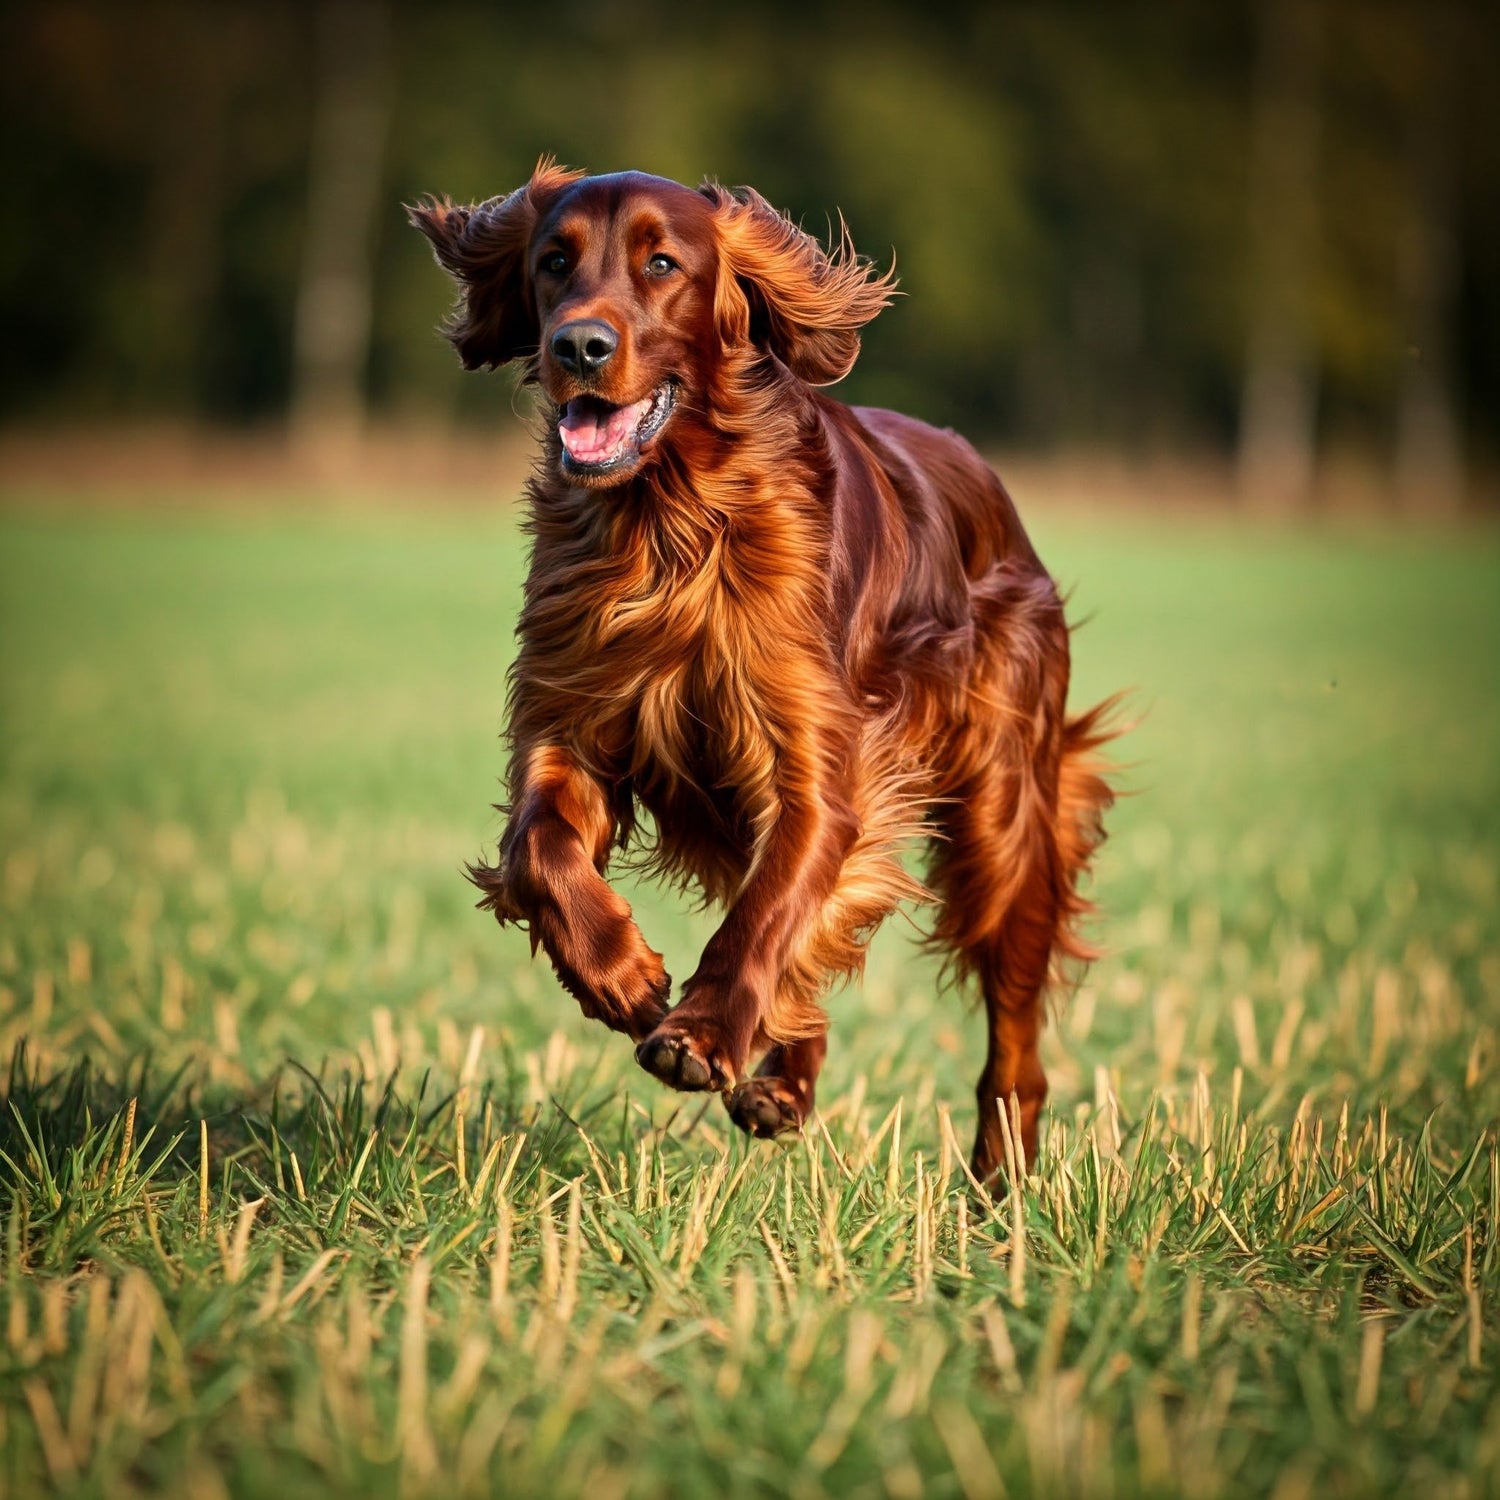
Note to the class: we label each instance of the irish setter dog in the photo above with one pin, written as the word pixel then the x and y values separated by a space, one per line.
pixel 800 635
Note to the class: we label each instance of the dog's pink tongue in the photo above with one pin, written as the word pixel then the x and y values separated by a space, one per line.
pixel 589 431
pixel 579 426
pixel 593 432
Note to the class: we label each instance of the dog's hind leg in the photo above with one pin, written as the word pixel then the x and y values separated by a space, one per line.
pixel 998 879
pixel 1017 839
pixel 1018 816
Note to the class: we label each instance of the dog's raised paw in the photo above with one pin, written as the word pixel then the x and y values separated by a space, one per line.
pixel 674 1058
pixel 762 1107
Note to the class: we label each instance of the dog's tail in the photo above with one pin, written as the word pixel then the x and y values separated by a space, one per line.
pixel 1084 795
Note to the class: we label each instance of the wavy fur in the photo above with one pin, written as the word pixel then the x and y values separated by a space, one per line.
pixel 800 636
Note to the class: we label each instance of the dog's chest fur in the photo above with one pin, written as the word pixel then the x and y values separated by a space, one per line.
pixel 700 720
pixel 676 681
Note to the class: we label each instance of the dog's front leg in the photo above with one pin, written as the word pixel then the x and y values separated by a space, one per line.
pixel 705 1043
pixel 550 876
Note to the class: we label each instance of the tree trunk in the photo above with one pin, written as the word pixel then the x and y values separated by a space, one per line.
pixel 350 121
pixel 1278 410
pixel 184 224
pixel 1429 460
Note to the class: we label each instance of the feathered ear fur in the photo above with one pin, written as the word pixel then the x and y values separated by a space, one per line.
pixel 779 289
pixel 482 246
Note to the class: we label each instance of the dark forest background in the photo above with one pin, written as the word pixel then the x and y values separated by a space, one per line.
pixel 1264 231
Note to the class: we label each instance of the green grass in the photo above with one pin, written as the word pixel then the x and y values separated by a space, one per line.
pixel 313 1183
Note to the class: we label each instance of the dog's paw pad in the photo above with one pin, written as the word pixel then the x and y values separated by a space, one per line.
pixel 760 1107
pixel 674 1060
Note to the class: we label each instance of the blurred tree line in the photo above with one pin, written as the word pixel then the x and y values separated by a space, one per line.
pixel 1263 227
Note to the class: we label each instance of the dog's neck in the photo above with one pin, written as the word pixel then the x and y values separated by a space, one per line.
pixel 710 490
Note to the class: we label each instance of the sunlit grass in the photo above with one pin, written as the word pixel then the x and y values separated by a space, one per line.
pixel 313 1183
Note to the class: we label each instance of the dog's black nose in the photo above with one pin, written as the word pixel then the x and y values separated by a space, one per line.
pixel 584 345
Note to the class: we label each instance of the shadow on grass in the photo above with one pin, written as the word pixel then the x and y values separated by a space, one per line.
pixel 83 1150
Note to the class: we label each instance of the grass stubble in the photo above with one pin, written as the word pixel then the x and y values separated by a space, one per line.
pixel 304 1192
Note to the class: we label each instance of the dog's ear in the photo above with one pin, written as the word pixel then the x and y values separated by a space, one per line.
pixel 779 289
pixel 483 246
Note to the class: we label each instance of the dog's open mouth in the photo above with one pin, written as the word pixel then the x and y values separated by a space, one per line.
pixel 598 437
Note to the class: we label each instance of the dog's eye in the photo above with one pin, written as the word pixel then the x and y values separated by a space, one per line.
pixel 660 265
pixel 555 264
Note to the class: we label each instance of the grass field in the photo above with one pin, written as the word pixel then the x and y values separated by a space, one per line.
pixel 313 1183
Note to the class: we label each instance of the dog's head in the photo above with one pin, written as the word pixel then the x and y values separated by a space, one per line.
pixel 628 295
